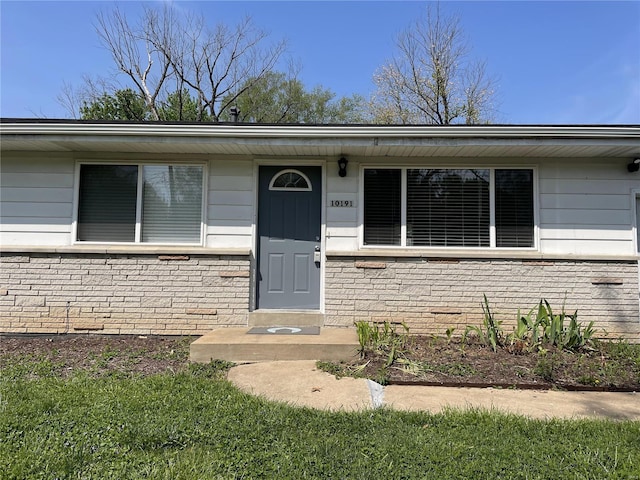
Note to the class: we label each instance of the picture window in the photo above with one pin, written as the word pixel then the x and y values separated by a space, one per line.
pixel 140 203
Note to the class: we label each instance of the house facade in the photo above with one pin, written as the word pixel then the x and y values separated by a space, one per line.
pixel 177 229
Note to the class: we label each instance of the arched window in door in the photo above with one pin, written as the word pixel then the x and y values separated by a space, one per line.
pixel 290 180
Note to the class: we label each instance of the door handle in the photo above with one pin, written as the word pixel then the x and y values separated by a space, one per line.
pixel 316 254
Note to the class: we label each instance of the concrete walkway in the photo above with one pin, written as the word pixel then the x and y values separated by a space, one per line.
pixel 301 383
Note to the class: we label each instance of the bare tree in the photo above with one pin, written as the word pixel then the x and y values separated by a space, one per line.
pixel 134 52
pixel 430 80
pixel 165 53
pixel 218 64
pixel 74 98
pixel 70 99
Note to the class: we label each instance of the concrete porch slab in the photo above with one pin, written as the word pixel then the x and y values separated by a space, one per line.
pixel 285 318
pixel 236 345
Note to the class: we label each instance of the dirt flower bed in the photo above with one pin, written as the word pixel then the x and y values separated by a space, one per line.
pixel 97 355
pixel 441 361
pixel 422 360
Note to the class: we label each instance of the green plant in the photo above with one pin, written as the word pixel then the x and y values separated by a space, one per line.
pixel 366 334
pixel 546 365
pixel 449 333
pixel 540 326
pixel 491 332
pixel 341 369
pixel 215 369
pixel 382 339
pixel 421 369
pixel 550 328
pixel 524 326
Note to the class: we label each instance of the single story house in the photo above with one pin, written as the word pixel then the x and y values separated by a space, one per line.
pixel 179 228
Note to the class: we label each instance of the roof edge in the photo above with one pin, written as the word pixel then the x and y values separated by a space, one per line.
pixel 254 130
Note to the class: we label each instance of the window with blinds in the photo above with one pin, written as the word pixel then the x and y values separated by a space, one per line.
pixel 140 203
pixel 382 207
pixel 171 204
pixel 449 207
pixel 514 208
pixel 107 203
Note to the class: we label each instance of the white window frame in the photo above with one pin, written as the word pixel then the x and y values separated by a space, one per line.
pixel 492 207
pixel 138 226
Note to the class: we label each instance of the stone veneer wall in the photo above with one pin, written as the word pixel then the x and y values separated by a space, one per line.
pixel 122 294
pixel 431 295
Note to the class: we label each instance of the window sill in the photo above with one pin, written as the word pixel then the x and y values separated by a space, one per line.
pixel 528 254
pixel 125 250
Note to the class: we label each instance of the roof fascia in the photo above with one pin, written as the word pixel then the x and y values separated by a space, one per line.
pixel 321 131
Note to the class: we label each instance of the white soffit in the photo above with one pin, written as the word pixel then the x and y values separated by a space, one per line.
pixel 308 140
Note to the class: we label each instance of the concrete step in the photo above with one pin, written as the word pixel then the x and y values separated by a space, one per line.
pixel 285 318
pixel 236 345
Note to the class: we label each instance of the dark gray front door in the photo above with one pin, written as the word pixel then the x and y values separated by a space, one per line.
pixel 289 221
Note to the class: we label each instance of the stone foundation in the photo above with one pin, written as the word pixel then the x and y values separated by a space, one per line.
pixel 432 295
pixel 122 294
pixel 149 294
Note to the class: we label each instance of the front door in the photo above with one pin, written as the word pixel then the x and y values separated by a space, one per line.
pixel 289 225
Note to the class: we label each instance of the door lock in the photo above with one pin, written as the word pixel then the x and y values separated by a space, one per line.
pixel 316 255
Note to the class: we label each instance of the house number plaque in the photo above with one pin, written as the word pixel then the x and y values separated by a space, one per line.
pixel 341 203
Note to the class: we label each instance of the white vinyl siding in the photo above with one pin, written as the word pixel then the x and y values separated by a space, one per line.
pixel 36 200
pixel 342 221
pixel 582 206
pixel 231 204
pixel 585 207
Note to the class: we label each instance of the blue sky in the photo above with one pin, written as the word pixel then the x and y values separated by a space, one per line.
pixel 555 62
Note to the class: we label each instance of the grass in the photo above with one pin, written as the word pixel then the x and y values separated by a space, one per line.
pixel 194 424
pixel 456 369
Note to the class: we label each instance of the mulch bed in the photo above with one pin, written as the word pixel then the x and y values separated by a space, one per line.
pixel 436 361
pixel 99 354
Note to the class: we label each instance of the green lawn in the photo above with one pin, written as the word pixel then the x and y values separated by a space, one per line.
pixel 194 425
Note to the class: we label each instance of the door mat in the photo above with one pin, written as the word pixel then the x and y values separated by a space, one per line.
pixel 285 331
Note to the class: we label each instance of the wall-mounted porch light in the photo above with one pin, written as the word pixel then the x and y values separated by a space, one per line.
pixel 342 166
pixel 634 166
